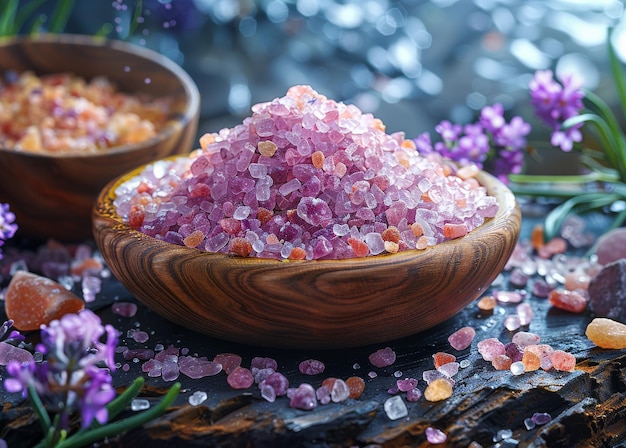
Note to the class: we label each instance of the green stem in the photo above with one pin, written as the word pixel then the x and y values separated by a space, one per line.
pixel 93 435
pixel 61 15
pixel 40 410
pixel 7 18
pixel 617 71
pixel 594 176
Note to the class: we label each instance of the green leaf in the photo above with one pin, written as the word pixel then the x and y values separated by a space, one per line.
pixel 114 428
pixel 61 15
pixel 616 68
pixel 7 18
pixel 577 204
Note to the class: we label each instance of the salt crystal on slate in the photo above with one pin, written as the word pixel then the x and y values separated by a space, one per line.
pixel 489 348
pixel 124 309
pixel 197 398
pixel 524 338
pixel 229 361
pixel 240 378
pixel 339 391
pixel 462 338
pixel 395 408
pixel 611 246
pixel 278 382
pixel 303 397
pixel 413 395
pixel 607 291
pixel 311 367
pixel 563 361
pixel 383 357
pixel 541 418
pixel 435 436
pixel 10 353
pixel 572 301
pixel 438 389
pixel 606 333
pixel 406 384
pixel 139 404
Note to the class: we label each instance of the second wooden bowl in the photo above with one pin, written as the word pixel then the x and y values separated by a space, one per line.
pixel 307 304
pixel 52 194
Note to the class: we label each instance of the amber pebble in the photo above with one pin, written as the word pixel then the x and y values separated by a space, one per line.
pixel 607 333
pixel 32 300
pixel 537 238
pixel 531 361
pixel 487 303
pixel 356 386
pixel 438 389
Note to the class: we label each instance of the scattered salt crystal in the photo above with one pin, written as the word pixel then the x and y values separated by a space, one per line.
pixel 435 436
pixel 450 369
pixel 517 368
pixel 339 391
pixel 323 394
pixel 529 424
pixel 524 338
pixel 91 285
pixel 541 418
pixel 311 367
pixel 259 362
pixel 9 352
pixel 197 398
pixel 462 338
pixel 607 333
pixel 303 397
pixel 438 389
pixel 240 378
pixel 124 309
pixel 395 408
pixel 572 301
pixel 383 357
pixel 465 363
pixel 512 322
pixel 503 434
pixel 228 361
pixel 413 395
pixel 139 404
pixel 406 384
pixel 487 303
pixel 508 296
pixel 278 382
pixel 489 348
pixel 525 313
pixel 513 351
pixel 562 360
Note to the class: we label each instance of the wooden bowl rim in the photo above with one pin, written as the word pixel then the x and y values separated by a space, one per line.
pixel 174 123
pixel 507 208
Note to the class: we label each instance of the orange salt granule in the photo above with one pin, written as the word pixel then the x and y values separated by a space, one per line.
pixel 241 247
pixel 356 386
pixel 531 361
pixel 537 238
pixel 438 389
pixel 487 303
pixel 391 247
pixel 32 300
pixel 297 253
pixel 441 358
pixel 267 148
pixel 606 333
pixel 360 248
pixel 317 159
pixel 501 362
pixel 264 215
pixel 392 234
pixel 194 238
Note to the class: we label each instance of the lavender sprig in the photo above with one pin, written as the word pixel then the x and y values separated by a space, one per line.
pixel 76 378
pixel 8 227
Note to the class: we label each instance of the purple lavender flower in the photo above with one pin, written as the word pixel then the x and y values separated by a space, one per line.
pixel 7 225
pixel 71 378
pixel 555 102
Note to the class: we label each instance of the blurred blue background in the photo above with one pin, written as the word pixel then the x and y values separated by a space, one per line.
pixel 411 63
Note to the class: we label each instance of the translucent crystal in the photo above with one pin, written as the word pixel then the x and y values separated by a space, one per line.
pixel 395 408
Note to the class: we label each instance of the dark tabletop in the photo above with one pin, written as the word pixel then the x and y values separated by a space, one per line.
pixel 489 407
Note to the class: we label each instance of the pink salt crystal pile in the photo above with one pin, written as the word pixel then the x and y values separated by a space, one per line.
pixel 607 291
pixel 304 177
pixel 607 333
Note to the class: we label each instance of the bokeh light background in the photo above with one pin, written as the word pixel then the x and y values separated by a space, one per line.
pixel 411 63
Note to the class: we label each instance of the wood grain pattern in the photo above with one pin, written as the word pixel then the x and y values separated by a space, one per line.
pixel 308 304
pixel 52 195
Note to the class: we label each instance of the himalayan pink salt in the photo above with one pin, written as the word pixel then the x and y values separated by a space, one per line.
pixel 512 322
pixel 541 288
pixel 543 351
pixel 228 361
pixel 562 360
pixel 555 246
pixel 462 338
pixel 170 371
pixel 124 309
pixel 438 389
pixel 10 353
pixel 140 354
pixel 606 333
pixel 508 296
pixel 413 395
pixel 383 357
pixel 518 278
pixel 441 358
pixel 259 362
pixel 303 397
pixel 541 418
pixel 32 300
pixel 531 361
pixel 315 163
pixel 490 348
pixel 513 352
pixel 487 303
pixel 572 301
pixel 449 369
pixel 356 386
pixel 501 362
pixel 240 378
pixel 406 384
pixel 277 382
pixel 196 368
pixel 611 246
pixel 577 279
pixel 152 367
pixel 322 394
pixel 311 367
pixel 525 338
pixel 339 391
pixel 435 436
pixel 525 313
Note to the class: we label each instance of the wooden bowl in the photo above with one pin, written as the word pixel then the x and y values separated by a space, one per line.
pixel 322 304
pixel 52 194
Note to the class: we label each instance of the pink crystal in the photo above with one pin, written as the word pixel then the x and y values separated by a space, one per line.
pixel 311 367
pixel 406 384
pixel 278 382
pixel 562 360
pixel 10 353
pixel 124 309
pixel 413 395
pixel 228 361
pixel 508 296
pixel 196 368
pixel 572 301
pixel 524 338
pixel 240 378
pixel 435 436
pixel 303 397
pixel 489 348
pixel 462 338
pixel 383 357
